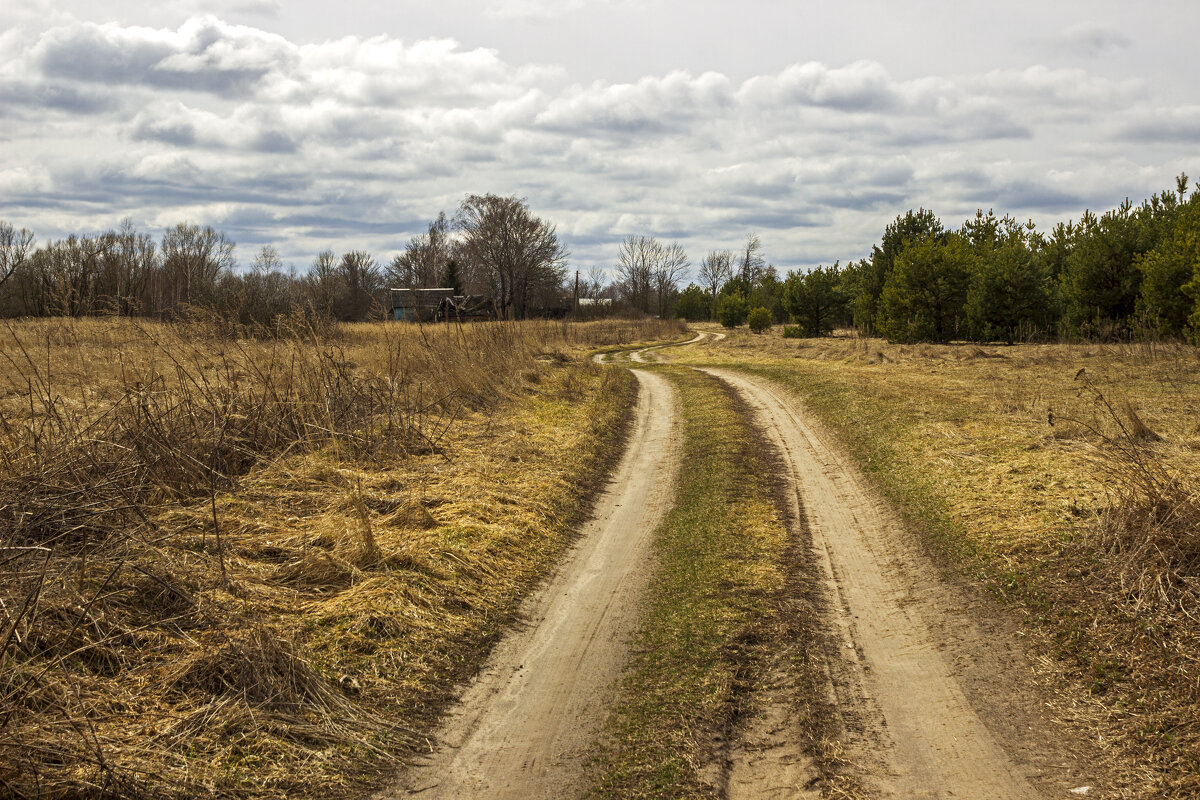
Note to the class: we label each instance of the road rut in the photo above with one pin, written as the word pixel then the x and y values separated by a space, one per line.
pixel 524 726
pixel 912 727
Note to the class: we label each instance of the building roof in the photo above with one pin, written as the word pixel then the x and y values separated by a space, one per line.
pixel 420 298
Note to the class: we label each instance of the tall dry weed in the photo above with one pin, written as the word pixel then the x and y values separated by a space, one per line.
pixel 125 642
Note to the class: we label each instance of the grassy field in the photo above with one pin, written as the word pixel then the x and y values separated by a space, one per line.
pixel 257 568
pixel 1062 477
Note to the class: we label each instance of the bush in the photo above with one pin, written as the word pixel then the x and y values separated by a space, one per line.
pixel 793 332
pixel 693 304
pixel 732 309
pixel 760 320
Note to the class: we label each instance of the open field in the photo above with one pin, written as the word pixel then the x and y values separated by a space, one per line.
pixel 266 567
pixel 1062 477
pixel 257 568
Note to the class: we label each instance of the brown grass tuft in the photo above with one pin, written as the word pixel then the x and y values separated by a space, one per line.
pixel 246 568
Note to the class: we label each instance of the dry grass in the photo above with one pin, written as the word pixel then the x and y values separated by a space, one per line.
pixel 256 568
pixel 1064 476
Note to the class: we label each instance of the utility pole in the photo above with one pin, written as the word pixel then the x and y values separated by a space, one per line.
pixel 575 305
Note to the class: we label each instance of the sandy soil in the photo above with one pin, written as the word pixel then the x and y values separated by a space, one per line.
pixel 523 727
pixel 931 688
pixel 934 700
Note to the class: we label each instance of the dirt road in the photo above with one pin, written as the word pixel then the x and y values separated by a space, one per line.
pixel 523 727
pixel 898 679
pixel 931 702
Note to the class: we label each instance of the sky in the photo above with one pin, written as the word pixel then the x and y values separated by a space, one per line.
pixel 349 125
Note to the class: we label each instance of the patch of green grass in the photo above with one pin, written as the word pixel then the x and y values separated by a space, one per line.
pixel 707 633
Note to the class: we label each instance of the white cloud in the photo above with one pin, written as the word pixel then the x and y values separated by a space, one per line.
pixel 262 8
pixel 24 180
pixel 353 141
pixel 861 86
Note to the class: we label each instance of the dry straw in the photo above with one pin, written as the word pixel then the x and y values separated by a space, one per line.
pixel 236 565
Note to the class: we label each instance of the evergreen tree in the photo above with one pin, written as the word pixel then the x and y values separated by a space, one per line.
pixel 925 292
pixel 1007 295
pixel 814 299
pixel 450 279
pixel 870 280
pixel 1169 276
pixel 759 320
pixel 732 308
pixel 1100 280
pixel 693 304
pixel 768 293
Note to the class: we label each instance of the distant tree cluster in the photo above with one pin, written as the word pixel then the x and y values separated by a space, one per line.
pixel 1131 271
pixel 494 246
pixel 733 286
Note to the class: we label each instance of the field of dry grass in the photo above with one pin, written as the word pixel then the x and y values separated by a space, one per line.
pixel 257 568
pixel 1064 477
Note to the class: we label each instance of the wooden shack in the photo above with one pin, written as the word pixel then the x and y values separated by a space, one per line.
pixel 419 305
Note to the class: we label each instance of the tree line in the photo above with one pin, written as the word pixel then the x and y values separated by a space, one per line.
pixel 1132 271
pixel 493 246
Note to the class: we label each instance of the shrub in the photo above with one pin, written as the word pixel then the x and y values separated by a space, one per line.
pixel 693 304
pixel 793 332
pixel 732 309
pixel 760 320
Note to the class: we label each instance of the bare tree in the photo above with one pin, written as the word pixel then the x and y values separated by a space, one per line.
pixel 128 268
pixel 716 269
pixel 595 283
pixel 422 265
pixel 637 258
pixel 193 258
pixel 751 261
pixel 66 274
pixel 266 289
pixel 362 283
pixel 14 249
pixel 671 268
pixel 322 284
pixel 520 253
pixel 649 272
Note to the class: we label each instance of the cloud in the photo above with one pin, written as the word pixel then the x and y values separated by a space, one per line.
pixel 1092 40
pixel 1179 125
pixel 650 106
pixel 204 55
pixel 350 142
pixel 531 9
pixel 861 86
pixel 262 8
pixel 32 96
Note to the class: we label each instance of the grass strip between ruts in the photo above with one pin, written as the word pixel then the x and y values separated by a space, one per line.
pixel 704 640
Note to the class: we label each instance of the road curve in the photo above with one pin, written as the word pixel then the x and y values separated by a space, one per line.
pixel 524 726
pixel 893 684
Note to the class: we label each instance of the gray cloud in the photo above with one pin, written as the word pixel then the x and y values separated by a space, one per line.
pixel 204 55
pixel 351 142
pixel 1163 126
pixel 37 96
pixel 1091 39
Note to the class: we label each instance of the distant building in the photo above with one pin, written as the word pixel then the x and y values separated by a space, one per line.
pixel 440 305
pixel 597 302
pixel 419 305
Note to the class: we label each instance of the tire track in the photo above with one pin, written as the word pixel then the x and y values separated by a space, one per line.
pixel 524 726
pixel 910 723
